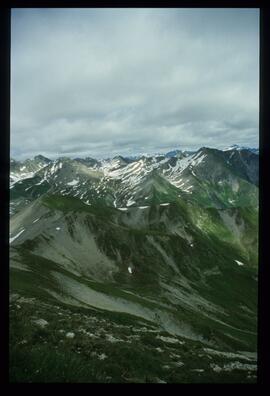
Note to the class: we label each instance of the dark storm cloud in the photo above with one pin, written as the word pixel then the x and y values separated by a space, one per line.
pixel 120 81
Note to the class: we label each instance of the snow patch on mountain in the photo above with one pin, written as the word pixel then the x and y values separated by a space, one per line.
pixel 238 262
pixel 17 177
pixel 16 236
pixel 130 202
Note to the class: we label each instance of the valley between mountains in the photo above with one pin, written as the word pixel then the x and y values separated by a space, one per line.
pixel 139 269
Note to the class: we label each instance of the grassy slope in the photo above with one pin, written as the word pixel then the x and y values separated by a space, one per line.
pixel 213 246
pixel 107 348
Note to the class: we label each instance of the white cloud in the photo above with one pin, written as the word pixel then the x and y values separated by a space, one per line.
pixel 126 80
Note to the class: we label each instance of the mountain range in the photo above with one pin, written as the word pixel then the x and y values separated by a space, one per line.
pixel 140 269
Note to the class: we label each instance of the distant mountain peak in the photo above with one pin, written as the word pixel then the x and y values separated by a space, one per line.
pixel 236 147
pixel 41 157
pixel 173 153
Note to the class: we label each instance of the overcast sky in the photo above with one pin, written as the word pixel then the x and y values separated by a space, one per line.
pixel 102 82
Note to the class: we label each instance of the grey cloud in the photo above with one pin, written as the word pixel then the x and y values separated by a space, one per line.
pixel 96 82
